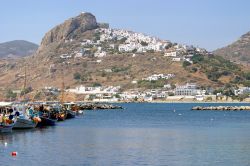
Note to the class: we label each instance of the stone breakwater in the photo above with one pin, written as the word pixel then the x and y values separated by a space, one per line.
pixel 98 106
pixel 222 108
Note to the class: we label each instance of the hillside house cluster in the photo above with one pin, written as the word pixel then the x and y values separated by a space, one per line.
pixel 156 77
pixel 97 94
pixel 107 40
pixel 95 90
pixel 136 42
pixel 181 52
pixel 242 91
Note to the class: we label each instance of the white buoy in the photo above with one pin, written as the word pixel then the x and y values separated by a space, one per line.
pixel 179 114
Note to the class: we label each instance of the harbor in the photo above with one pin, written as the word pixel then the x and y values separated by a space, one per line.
pixel 114 137
pixel 35 114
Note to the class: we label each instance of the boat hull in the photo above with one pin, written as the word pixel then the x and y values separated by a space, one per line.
pixel 46 122
pixel 24 124
pixel 70 115
pixel 6 128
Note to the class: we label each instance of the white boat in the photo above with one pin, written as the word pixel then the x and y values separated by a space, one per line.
pixel 24 123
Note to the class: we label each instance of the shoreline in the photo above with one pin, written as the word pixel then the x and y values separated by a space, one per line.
pixel 167 102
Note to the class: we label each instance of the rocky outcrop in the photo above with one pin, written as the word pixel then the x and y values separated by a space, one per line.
pixel 222 108
pixel 98 106
pixel 70 29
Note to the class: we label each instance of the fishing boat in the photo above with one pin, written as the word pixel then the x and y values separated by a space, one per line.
pixel 48 118
pixel 25 117
pixel 46 121
pixel 70 114
pixel 71 109
pixel 62 115
pixel 57 113
pixel 7 121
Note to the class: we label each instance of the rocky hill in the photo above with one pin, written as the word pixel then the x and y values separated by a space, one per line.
pixel 238 51
pixel 17 48
pixel 83 51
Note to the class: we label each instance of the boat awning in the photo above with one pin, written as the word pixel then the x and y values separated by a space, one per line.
pixel 4 104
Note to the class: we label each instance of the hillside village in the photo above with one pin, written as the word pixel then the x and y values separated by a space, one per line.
pixel 102 42
pixel 109 41
pixel 187 92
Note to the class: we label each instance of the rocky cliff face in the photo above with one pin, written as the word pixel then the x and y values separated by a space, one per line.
pixel 70 29
pixel 238 51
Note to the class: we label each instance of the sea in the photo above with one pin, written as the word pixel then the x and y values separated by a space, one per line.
pixel 166 134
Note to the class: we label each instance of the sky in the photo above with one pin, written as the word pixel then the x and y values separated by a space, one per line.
pixel 209 24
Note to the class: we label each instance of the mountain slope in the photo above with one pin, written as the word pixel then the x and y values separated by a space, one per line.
pixel 17 48
pixel 83 51
pixel 238 51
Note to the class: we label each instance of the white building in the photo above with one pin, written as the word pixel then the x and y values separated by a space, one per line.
pixel 186 90
pixel 95 90
pixel 171 54
pixel 100 54
pixel 176 59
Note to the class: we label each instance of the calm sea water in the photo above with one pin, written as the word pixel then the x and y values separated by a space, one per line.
pixel 142 134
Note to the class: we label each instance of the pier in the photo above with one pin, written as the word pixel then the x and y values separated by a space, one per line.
pixel 222 108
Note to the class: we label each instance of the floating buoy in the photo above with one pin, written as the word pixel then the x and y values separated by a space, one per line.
pixel 13 154
pixel 5 144
pixel 179 114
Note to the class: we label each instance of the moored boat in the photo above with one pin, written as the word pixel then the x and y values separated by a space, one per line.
pixel 46 121
pixel 7 121
pixel 71 109
pixel 62 116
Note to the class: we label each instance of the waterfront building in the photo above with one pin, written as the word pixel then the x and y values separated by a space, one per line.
pixel 186 90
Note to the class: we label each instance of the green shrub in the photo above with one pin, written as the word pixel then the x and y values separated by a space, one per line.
pixel 77 76
pixel 186 63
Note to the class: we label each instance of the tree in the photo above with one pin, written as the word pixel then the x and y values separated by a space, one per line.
pixel 10 94
pixel 77 76
pixel 197 58
pixel 96 84
pixel 134 50
pixel 185 64
pixel 194 69
pixel 144 43
pixel 247 75
pixel 26 91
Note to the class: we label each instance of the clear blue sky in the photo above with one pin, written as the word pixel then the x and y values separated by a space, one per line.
pixel 205 23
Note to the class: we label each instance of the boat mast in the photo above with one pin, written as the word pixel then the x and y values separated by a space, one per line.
pixel 25 78
pixel 62 90
pixel 22 97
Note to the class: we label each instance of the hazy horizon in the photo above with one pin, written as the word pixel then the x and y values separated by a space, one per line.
pixel 209 24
